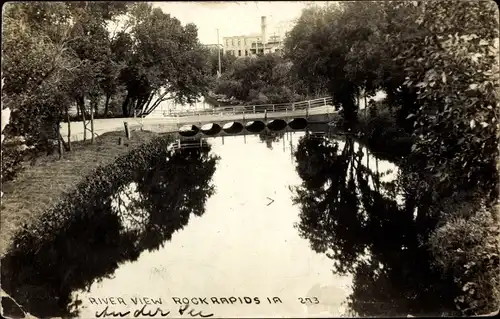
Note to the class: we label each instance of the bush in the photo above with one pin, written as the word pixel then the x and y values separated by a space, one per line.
pixel 11 162
pixel 466 246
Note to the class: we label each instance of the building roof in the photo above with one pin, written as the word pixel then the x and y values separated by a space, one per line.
pixel 244 36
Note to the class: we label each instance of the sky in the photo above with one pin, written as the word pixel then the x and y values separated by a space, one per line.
pixel 234 18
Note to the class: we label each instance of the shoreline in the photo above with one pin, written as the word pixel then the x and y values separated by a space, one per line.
pixel 38 187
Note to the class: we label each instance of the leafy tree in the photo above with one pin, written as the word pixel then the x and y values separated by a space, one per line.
pixel 456 123
pixel 167 61
pixel 259 80
pixel 37 69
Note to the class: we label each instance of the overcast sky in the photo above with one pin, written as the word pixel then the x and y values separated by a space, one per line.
pixel 234 18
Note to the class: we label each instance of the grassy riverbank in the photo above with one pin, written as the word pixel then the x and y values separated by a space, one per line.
pixel 38 187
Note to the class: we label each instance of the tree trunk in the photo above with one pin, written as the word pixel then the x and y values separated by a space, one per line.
pixel 60 148
pixel 132 105
pixel 96 107
pixel 150 98
pixel 125 105
pixel 81 106
pixel 106 105
pixel 69 129
pixel 64 143
pixel 92 123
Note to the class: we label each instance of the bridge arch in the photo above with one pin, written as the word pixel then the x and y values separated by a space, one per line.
pixel 211 129
pixel 255 126
pixel 232 127
pixel 276 125
pixel 298 123
pixel 188 130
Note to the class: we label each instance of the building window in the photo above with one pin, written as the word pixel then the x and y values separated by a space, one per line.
pixel 246 52
pixel 239 52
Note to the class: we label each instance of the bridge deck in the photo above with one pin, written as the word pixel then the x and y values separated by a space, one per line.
pixel 223 115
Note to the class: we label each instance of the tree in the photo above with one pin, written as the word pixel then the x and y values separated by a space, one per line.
pixel 37 68
pixel 455 124
pixel 166 61
pixel 259 80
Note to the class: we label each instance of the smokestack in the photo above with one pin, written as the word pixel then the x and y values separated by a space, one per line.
pixel 263 29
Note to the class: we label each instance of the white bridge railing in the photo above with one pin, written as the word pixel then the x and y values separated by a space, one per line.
pixel 255 109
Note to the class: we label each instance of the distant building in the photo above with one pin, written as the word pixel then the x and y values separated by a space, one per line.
pixel 251 45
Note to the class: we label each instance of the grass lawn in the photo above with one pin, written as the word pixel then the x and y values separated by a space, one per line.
pixel 38 187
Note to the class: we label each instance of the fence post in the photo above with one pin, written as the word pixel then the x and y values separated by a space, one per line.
pixel 234 109
pixel 265 115
pixel 274 109
pixel 293 107
pixel 127 132
pixel 254 109
pixel 324 100
pixel 92 124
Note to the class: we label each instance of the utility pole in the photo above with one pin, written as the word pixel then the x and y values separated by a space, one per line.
pixel 218 51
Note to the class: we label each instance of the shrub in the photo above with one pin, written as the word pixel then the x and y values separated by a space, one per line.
pixel 12 157
pixel 466 246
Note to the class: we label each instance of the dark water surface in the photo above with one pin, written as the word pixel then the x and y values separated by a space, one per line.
pixel 288 215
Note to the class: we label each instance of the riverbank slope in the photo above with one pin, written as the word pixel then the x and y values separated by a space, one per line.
pixel 38 187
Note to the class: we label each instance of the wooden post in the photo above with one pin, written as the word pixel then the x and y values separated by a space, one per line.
pixel 234 109
pixel 265 115
pixel 69 129
pixel 324 100
pixel 273 108
pixel 127 132
pixel 254 109
pixel 92 125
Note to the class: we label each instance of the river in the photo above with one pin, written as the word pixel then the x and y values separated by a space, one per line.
pixel 271 225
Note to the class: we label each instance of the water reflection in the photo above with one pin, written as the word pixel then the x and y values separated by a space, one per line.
pixel 349 213
pixel 140 206
pixel 269 137
pixel 346 204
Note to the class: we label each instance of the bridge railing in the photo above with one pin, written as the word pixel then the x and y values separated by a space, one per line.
pixel 262 108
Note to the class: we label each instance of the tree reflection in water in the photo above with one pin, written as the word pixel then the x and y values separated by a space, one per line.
pixel 270 137
pixel 347 212
pixel 60 255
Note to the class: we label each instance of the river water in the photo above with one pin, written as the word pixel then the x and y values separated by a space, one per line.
pixel 271 225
